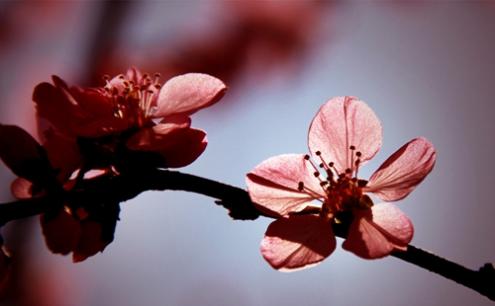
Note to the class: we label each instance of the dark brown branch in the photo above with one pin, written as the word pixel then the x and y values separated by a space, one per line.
pixel 237 201
pixel 482 281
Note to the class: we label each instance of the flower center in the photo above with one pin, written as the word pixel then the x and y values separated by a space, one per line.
pixel 343 190
pixel 133 99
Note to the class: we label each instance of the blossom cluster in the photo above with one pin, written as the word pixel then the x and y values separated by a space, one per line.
pixel 130 123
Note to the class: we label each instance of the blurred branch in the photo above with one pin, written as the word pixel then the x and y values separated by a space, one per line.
pixel 104 38
pixel 237 201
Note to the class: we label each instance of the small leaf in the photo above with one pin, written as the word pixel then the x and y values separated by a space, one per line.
pixel 24 156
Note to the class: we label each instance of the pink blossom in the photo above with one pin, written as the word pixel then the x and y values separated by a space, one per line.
pixel 153 118
pixel 344 134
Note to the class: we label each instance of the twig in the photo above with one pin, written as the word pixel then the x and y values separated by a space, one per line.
pixel 237 201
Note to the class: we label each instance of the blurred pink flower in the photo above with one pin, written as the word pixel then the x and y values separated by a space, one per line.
pixel 344 134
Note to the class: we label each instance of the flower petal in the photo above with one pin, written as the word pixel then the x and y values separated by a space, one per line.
pixel 61 232
pixel 297 242
pixel 133 74
pixel 403 170
pixel 63 153
pixel 76 111
pixel 95 113
pixel 187 93
pixel 376 232
pixel 21 189
pixel 273 184
pixel 53 105
pixel 91 241
pixel 343 122
pixel 177 146
pixel 180 121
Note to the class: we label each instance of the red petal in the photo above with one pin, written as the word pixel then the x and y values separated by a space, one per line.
pixel 63 153
pixel 96 113
pixel 274 183
pixel 53 105
pixel 90 243
pixel 77 111
pixel 187 93
pixel 403 171
pixel 22 189
pixel 133 74
pixel 377 232
pixel 62 232
pixel 297 242
pixel 178 146
pixel 179 121
pixel 343 122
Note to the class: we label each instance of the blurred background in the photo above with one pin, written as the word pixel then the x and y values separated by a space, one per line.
pixel 426 68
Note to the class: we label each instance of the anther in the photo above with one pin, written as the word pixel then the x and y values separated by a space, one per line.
pixel 318 153
pixel 330 164
pixel 300 186
pixel 121 76
pixel 348 170
pixel 316 174
pixel 321 165
pixel 358 154
pixel 352 148
pixel 362 183
pixel 357 163
pixel 306 157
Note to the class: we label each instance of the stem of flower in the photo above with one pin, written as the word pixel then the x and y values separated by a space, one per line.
pixel 237 202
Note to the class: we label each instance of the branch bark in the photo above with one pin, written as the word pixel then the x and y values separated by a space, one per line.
pixel 237 202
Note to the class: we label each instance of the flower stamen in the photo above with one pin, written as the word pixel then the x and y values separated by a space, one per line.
pixel 301 187
pixel 316 172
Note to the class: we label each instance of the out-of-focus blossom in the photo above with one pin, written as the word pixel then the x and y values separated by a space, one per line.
pixel 344 134
pixel 248 37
